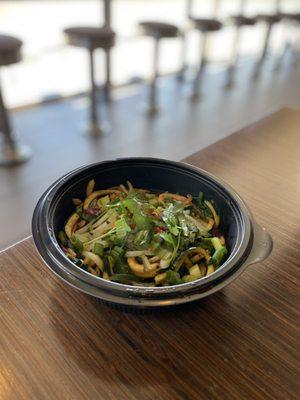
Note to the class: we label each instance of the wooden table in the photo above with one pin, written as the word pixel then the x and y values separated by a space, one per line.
pixel 241 343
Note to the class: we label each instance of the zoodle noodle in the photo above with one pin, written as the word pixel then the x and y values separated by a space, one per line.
pixel 138 237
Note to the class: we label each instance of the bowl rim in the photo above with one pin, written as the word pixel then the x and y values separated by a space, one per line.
pixel 52 254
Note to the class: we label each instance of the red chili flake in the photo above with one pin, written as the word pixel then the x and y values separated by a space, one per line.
pixel 216 232
pixel 150 211
pixel 159 229
pixel 64 248
pixel 132 226
pixel 93 211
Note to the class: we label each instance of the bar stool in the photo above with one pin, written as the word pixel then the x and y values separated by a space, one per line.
pixel 93 38
pixel 205 26
pixel 238 22
pixel 289 16
pixel 269 21
pixel 11 152
pixel 157 31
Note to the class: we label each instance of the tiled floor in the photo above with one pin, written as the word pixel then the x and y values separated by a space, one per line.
pixel 55 131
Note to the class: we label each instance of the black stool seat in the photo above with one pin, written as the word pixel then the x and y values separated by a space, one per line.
pixel 292 17
pixel 268 18
pixel 91 37
pixel 158 29
pixel 207 25
pixel 9 50
pixel 240 20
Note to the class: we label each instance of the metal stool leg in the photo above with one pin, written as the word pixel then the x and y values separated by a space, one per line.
pixel 196 91
pixel 180 75
pixel 94 127
pixel 294 47
pixel 234 58
pixel 285 48
pixel 153 108
pixel 107 85
pixel 11 153
pixel 264 52
pixel 281 57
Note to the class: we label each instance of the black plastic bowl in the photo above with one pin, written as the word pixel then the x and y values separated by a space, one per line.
pixel 247 242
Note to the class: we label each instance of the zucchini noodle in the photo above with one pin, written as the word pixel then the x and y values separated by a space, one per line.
pixel 138 237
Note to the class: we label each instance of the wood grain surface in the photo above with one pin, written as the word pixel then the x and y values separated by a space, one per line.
pixel 241 343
